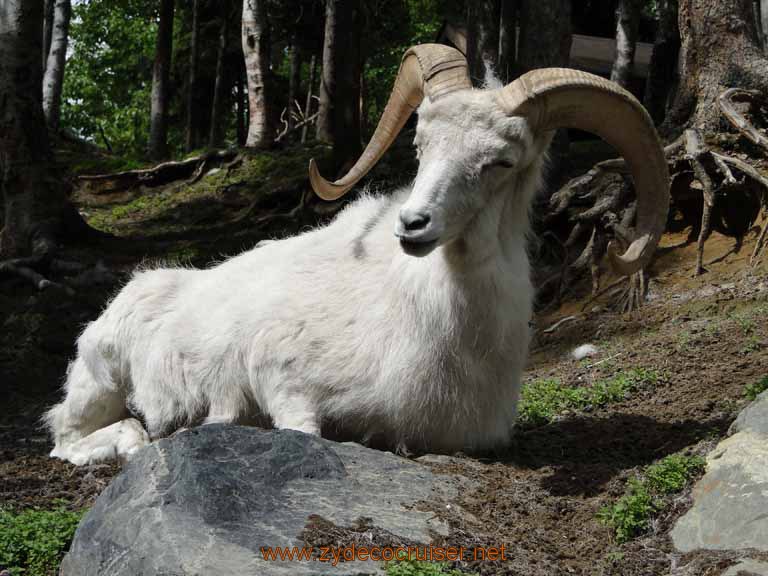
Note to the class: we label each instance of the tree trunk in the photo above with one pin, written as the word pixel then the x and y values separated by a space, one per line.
pixel 241 109
pixel 545 34
pixel 545 41
pixel 764 23
pixel 256 53
pixel 719 50
pixel 57 57
pixel 158 129
pixel 34 200
pixel 191 131
pixel 508 22
pixel 662 72
pixel 339 114
pixel 294 78
pixel 215 135
pixel 347 141
pixel 48 17
pixel 628 23
pixel 324 124
pixel 483 22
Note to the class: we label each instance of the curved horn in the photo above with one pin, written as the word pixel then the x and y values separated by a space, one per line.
pixel 428 69
pixel 563 98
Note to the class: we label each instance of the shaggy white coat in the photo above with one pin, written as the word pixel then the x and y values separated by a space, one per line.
pixel 337 330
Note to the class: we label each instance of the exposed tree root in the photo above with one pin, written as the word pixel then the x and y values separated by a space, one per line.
pixel 727 100
pixel 163 173
pixel 38 269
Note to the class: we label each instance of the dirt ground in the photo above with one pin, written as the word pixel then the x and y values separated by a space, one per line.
pixel 706 337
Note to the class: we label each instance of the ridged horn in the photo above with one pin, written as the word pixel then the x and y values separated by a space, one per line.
pixel 427 69
pixel 562 98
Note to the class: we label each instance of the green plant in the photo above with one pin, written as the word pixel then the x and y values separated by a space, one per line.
pixel 418 568
pixel 752 391
pixel 32 542
pixel 631 514
pixel 541 401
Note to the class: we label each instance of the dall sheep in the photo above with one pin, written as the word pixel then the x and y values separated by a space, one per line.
pixel 414 339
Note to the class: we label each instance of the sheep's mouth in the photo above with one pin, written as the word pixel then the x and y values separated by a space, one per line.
pixel 418 247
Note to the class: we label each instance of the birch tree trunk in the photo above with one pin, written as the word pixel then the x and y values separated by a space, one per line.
pixel 662 72
pixel 326 109
pixel 214 137
pixel 158 129
pixel 34 199
pixel 191 131
pixel 48 16
pixel 256 51
pixel 57 57
pixel 627 25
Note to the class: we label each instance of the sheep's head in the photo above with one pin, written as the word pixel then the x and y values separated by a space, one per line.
pixel 466 135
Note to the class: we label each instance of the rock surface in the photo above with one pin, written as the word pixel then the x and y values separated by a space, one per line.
pixel 730 510
pixel 208 499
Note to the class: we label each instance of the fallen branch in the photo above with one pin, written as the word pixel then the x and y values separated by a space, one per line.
pixel 295 127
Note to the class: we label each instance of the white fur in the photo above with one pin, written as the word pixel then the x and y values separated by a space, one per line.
pixel 337 329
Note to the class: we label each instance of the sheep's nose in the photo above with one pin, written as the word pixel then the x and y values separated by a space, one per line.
pixel 414 221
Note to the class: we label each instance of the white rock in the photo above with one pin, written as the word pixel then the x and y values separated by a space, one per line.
pixel 584 351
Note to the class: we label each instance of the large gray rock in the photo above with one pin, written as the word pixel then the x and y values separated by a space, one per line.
pixel 208 499
pixel 730 509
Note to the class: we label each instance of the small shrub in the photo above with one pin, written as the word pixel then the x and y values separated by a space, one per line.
pixel 32 542
pixel 631 514
pixel 543 400
pixel 417 568
pixel 752 391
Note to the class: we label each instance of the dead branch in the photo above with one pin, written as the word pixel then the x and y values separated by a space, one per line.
pixel 295 127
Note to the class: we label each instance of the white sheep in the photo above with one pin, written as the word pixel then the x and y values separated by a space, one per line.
pixel 413 340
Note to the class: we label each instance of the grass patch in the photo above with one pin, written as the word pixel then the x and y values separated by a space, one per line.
pixel 33 542
pixel 543 400
pixel 645 495
pixel 407 567
pixel 752 391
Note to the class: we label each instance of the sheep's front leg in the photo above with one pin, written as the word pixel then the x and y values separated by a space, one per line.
pixel 295 413
pixel 118 441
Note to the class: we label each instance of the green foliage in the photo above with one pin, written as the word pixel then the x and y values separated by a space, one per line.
pixel 32 542
pixel 417 568
pixel 752 391
pixel 108 78
pixel 631 513
pixel 543 400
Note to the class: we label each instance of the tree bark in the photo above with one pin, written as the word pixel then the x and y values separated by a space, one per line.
pixel 545 41
pixel 324 126
pixel 34 199
pixel 764 22
pixel 191 131
pixel 241 109
pixel 158 130
pixel 719 50
pixel 662 72
pixel 628 23
pixel 483 22
pixel 57 57
pixel 256 51
pixel 48 16
pixel 215 134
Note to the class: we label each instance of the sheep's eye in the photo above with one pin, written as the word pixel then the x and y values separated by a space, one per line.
pixel 499 164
